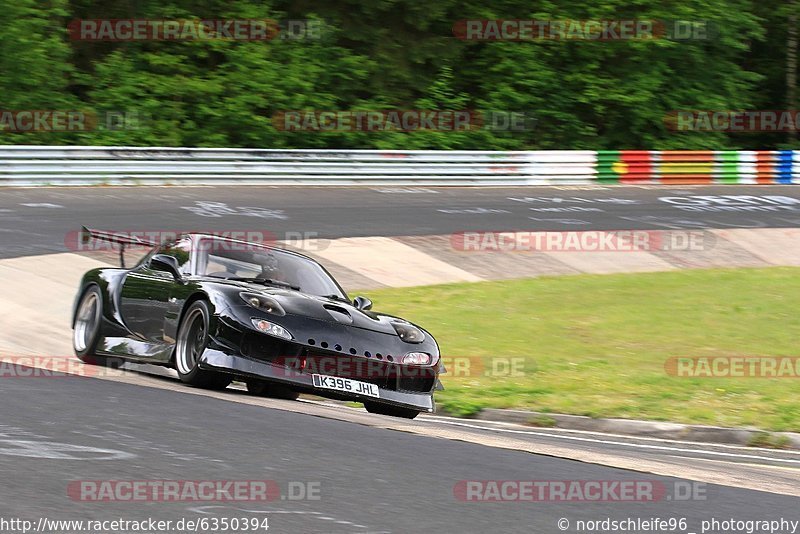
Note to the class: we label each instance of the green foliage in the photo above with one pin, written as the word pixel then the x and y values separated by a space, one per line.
pixel 395 54
pixel 34 64
pixel 542 421
pixel 458 407
pixel 765 440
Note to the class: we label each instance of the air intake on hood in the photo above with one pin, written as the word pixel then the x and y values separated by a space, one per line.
pixel 339 314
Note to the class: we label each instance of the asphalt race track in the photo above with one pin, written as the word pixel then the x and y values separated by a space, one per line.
pixel 36 220
pixel 358 472
pixel 59 430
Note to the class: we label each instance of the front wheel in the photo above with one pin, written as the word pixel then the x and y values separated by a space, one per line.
pixel 86 329
pixel 394 411
pixel 192 340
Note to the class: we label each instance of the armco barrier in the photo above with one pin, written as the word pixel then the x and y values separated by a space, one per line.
pixel 39 165
pixel 699 167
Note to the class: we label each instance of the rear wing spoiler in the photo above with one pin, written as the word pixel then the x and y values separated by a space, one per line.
pixel 87 234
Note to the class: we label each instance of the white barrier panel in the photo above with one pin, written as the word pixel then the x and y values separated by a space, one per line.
pixel 56 165
pixel 87 165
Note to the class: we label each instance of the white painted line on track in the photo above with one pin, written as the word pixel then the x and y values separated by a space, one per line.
pixel 620 436
pixel 316 515
pixel 496 425
pixel 623 444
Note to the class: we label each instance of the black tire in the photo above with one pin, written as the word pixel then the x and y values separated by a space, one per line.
pixel 265 388
pixel 192 340
pixel 86 329
pixel 394 411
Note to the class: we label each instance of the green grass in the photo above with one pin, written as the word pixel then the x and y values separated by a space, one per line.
pixel 765 440
pixel 596 345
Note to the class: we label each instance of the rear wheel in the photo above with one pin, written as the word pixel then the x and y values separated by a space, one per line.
pixel 192 340
pixel 263 388
pixel 394 411
pixel 86 329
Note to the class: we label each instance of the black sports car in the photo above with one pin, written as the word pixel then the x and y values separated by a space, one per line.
pixel 218 309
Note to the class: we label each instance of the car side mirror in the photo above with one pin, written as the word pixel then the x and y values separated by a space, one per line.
pixel 165 262
pixel 362 303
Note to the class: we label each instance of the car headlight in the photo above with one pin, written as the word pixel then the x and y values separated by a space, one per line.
pixel 408 332
pixel 417 358
pixel 271 328
pixel 264 303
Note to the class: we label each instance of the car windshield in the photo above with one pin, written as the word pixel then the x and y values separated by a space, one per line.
pixel 222 258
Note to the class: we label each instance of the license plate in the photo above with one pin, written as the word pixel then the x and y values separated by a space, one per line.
pixel 345 384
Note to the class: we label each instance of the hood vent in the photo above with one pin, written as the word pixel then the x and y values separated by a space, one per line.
pixel 339 314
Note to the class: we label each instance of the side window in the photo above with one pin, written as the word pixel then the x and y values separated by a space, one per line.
pixel 182 251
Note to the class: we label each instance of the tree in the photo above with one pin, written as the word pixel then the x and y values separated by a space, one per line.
pixel 34 65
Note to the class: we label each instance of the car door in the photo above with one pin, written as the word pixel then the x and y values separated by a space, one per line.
pixel 146 296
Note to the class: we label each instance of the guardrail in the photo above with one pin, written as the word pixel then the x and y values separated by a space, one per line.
pixel 54 165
